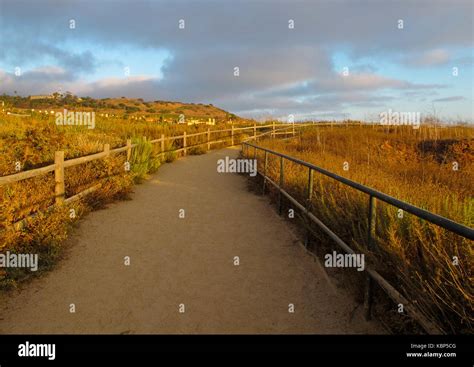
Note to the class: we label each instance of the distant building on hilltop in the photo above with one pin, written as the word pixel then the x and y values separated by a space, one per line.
pixel 41 97
pixel 198 121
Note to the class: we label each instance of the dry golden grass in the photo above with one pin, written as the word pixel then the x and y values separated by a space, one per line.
pixel 416 166
pixel 32 143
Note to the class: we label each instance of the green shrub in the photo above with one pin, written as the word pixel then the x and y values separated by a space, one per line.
pixel 198 150
pixel 144 160
pixel 169 155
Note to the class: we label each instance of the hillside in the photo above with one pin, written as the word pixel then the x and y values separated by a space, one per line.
pixel 163 111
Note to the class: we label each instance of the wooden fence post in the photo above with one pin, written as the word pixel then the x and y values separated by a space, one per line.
pixel 107 152
pixel 208 139
pixel 273 130
pixel 293 128
pixel 184 143
pixel 129 149
pixel 255 132
pixel 232 134
pixel 59 190
pixel 162 141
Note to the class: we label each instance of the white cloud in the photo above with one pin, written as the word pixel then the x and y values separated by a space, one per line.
pixel 428 58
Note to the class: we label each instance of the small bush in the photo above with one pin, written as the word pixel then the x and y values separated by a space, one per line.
pixel 198 150
pixel 144 160
pixel 169 155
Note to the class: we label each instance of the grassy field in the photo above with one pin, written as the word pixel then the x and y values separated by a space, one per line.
pixel 30 142
pixel 430 167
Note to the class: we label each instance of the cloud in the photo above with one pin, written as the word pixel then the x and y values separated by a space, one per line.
pixel 450 99
pixel 41 80
pixel 24 52
pixel 281 69
pixel 48 79
pixel 132 86
pixel 428 58
pixel 353 83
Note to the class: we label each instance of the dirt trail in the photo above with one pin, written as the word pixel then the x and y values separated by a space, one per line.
pixel 186 261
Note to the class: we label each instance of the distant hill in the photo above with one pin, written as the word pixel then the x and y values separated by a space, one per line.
pixel 167 107
pixel 126 107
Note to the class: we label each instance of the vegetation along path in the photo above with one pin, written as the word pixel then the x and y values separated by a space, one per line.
pixel 182 276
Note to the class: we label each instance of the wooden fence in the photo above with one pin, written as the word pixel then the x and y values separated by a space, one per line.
pixel 59 165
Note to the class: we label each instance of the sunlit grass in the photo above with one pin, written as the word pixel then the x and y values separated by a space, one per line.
pixel 430 167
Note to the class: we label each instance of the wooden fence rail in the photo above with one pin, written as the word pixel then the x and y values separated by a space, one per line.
pixel 60 164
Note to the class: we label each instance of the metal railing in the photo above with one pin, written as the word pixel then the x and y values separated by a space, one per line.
pixel 373 275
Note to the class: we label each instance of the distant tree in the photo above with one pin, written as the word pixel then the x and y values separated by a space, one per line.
pixel 131 109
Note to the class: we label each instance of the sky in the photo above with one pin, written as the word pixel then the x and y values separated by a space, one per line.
pixel 314 60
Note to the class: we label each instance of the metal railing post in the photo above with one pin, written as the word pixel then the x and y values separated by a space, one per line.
pixel 265 172
pixel 368 294
pixel 309 197
pixel 280 196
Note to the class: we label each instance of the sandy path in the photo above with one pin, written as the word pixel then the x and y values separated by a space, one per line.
pixel 185 261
